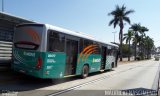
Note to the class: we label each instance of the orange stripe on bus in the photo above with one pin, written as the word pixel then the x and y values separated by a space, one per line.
pixel 90 53
pixel 89 50
pixel 86 48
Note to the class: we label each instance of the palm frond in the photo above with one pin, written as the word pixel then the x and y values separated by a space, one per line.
pixel 127 19
pixel 124 38
pixel 111 22
pixel 143 29
pixel 125 34
pixel 127 40
pixel 136 27
pixel 116 22
pixel 129 12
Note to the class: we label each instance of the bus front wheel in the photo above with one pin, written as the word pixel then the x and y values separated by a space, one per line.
pixel 85 71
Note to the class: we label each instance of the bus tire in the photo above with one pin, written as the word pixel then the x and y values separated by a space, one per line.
pixel 113 65
pixel 85 71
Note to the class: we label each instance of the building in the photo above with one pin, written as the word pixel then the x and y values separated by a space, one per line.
pixel 7 25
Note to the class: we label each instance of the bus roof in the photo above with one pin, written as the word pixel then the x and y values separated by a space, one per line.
pixel 69 32
pixel 78 34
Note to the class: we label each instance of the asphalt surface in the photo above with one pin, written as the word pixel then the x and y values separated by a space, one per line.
pixel 137 78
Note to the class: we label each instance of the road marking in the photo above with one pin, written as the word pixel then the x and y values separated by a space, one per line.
pixel 155 85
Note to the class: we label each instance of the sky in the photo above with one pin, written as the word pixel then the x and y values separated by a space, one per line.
pixel 88 16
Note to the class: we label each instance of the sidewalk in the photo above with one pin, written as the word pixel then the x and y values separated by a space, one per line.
pixel 125 61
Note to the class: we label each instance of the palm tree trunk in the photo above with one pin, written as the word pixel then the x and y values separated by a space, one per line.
pixel 135 46
pixel 121 38
pixel 140 45
pixel 145 52
pixel 121 56
pixel 129 51
pixel 148 53
pixel 135 51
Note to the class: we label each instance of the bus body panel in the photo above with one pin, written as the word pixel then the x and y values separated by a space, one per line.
pixel 96 62
pixel 25 61
pixel 93 61
pixel 53 64
pixel 109 61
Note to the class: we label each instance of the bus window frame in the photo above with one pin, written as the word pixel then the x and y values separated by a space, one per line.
pixel 60 38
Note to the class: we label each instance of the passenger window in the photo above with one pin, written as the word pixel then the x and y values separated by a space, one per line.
pixel 98 48
pixel 56 41
pixel 80 45
pixel 109 52
pixel 87 43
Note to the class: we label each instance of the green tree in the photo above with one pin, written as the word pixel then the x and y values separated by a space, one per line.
pixel 125 50
pixel 136 28
pixel 128 37
pixel 142 32
pixel 120 14
pixel 139 43
pixel 149 44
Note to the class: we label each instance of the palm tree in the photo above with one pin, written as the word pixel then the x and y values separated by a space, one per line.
pixel 136 28
pixel 119 16
pixel 129 36
pixel 149 44
pixel 142 32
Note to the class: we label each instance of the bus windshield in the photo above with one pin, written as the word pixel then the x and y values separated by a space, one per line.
pixel 28 36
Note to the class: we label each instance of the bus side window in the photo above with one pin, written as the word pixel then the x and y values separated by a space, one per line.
pixel 87 43
pixel 93 49
pixel 80 45
pixel 98 48
pixel 114 53
pixel 109 52
pixel 56 41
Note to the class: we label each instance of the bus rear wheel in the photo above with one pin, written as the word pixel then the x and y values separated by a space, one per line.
pixel 85 71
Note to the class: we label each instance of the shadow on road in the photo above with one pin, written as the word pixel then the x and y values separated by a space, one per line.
pixel 22 82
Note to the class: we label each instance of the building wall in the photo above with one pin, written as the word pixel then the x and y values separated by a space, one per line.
pixel 7 25
pixel 6 37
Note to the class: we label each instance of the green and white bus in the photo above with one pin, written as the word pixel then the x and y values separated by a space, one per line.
pixel 47 51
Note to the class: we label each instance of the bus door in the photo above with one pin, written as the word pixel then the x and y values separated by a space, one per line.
pixel 71 56
pixel 103 57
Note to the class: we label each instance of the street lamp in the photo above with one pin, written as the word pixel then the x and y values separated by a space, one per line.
pixel 114 35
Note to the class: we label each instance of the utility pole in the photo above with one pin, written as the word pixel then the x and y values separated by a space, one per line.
pixel 2 6
pixel 114 35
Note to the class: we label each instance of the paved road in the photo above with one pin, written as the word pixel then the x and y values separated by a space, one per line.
pixel 134 78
